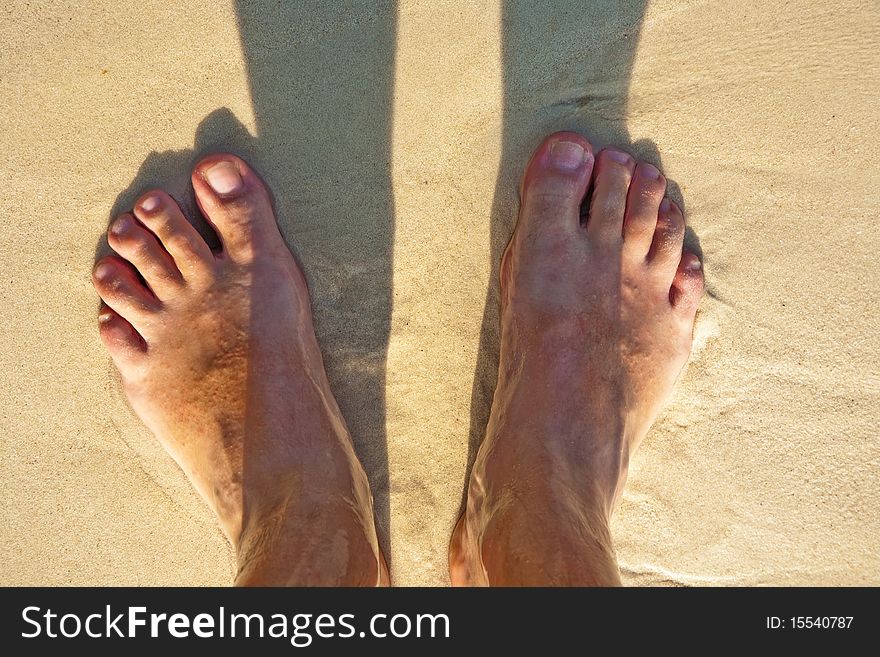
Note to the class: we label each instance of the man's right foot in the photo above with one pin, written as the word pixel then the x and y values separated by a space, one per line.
pixel 218 357
pixel 597 318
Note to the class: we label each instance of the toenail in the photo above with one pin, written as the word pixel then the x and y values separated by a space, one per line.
pixel 224 178
pixel 567 155
pixel 103 271
pixel 650 171
pixel 121 225
pixel 694 265
pixel 105 316
pixel 619 156
pixel 665 206
pixel 150 203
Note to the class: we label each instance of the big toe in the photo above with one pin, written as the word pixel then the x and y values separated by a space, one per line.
pixel 236 202
pixel 555 183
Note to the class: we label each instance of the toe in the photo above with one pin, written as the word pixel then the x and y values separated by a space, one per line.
pixel 687 286
pixel 665 252
pixel 141 248
pixel 642 207
pixel 237 204
pixel 120 338
pixel 159 213
pixel 614 171
pixel 120 288
pixel 555 183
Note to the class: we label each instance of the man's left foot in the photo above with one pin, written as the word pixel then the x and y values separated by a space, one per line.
pixel 597 318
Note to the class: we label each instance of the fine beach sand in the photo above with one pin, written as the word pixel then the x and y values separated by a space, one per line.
pixel 393 139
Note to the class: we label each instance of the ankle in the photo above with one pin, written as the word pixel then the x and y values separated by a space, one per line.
pixel 523 546
pixel 322 516
pixel 314 542
pixel 568 460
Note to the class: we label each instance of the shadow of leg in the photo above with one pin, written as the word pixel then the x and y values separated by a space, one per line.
pixel 321 83
pixel 321 78
pixel 565 66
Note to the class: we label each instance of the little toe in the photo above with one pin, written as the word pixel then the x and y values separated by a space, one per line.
pixel 236 202
pixel 687 286
pixel 555 182
pixel 120 338
pixel 120 288
pixel 159 213
pixel 666 246
pixel 141 248
pixel 642 207
pixel 614 171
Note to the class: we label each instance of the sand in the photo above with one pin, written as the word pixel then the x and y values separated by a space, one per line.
pixel 393 138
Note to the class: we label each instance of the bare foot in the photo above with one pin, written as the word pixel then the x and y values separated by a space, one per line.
pixel 218 357
pixel 597 318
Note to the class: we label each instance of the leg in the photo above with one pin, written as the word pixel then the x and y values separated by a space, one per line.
pixel 597 318
pixel 218 357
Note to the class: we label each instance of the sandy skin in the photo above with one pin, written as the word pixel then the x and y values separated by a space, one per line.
pixel 219 358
